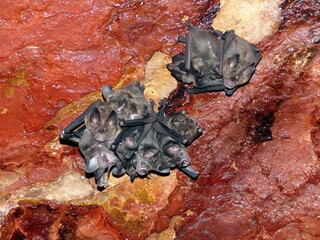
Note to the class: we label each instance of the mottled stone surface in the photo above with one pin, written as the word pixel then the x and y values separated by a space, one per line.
pixel 158 81
pixel 56 56
pixel 132 208
pixel 48 220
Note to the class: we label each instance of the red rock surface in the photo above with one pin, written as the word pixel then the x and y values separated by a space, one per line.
pixel 249 188
pixel 47 220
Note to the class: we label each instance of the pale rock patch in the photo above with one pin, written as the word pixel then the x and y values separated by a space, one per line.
pixel 252 20
pixel 158 81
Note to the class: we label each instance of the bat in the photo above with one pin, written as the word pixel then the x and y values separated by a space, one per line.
pixel 240 59
pixel 94 144
pixel 214 61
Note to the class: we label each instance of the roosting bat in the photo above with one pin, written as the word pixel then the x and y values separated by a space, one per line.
pixel 239 61
pixel 175 152
pixel 100 128
pixel 148 158
pixel 129 103
pixel 214 61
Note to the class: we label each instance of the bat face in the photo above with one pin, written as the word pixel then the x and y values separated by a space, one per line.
pixel 99 158
pixel 103 159
pixel 185 125
pixel 149 159
pixel 94 144
pixel 128 103
pixel 145 159
pixel 176 154
pixel 101 125
pixel 240 59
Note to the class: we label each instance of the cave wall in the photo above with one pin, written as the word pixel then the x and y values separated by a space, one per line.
pixel 56 55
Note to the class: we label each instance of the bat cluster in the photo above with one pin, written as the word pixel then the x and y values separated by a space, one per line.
pixel 214 61
pixel 125 135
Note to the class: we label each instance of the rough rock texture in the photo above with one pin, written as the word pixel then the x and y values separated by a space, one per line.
pixel 155 77
pixel 55 56
pixel 47 220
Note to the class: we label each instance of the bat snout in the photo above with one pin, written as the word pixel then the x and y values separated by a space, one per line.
pixel 100 137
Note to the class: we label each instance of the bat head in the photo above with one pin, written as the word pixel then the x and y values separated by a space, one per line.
pixel 101 125
pixel 177 154
pixel 240 60
pixel 107 91
pixel 145 159
pixel 184 125
pixel 236 73
pixel 129 103
pixel 102 162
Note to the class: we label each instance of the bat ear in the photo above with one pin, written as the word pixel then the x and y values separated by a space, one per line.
pixel 256 53
pixel 229 37
pixel 92 165
pixel 232 62
pixel 107 91
pixel 112 119
pixel 171 149
pixel 94 118
pixel 246 74
pixel 190 171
